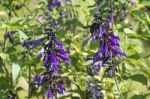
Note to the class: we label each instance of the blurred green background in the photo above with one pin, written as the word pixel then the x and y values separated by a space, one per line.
pixel 133 74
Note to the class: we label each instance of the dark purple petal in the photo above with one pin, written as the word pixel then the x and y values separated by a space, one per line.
pixel 54 63
pixel 52 21
pixel 55 68
pixel 10 36
pixel 53 4
pixel 118 51
pixel 114 37
pixel 64 58
pixel 102 47
pixel 106 50
pixel 100 31
pixel 114 42
pixel 96 58
pixel 49 94
pixel 60 88
pixel 58 43
pixel 54 59
pixel 33 43
pixel 110 20
pixel 61 51
pixel 40 79
pixel 98 67
pixel 92 37
pixel 63 14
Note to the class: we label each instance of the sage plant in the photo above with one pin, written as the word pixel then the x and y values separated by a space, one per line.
pixel 109 51
pixel 53 52
pixel 109 48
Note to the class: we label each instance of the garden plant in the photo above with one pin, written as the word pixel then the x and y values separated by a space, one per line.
pixel 74 49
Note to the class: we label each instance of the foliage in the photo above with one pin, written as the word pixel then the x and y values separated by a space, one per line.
pixel 18 65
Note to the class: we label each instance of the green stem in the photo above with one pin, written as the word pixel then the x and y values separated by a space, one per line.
pixel 72 8
pixel 118 87
pixel 29 70
pixel 4 46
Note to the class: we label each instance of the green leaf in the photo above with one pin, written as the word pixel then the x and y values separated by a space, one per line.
pixel 140 36
pixel 140 78
pixel 22 36
pixel 4 56
pixel 74 22
pixel 15 72
pixel 139 97
pixel 128 31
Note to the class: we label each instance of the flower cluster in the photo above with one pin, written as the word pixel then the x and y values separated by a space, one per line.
pixel 52 4
pixel 55 4
pixel 52 21
pixel 53 52
pixel 94 89
pixel 109 50
pixel 109 47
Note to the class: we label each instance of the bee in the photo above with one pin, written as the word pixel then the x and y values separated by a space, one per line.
pixel 17 7
pixel 94 27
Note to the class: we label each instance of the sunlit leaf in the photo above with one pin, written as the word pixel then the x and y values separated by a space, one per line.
pixel 15 72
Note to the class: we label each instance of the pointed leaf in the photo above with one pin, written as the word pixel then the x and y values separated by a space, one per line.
pixel 15 72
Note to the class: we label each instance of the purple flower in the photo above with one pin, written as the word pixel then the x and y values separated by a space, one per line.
pixel 63 14
pixel 51 61
pixel 118 51
pixel 52 4
pixel 110 71
pixel 110 20
pixel 42 78
pixel 98 66
pixel 92 37
pixel 108 47
pixel 58 44
pixel 94 88
pixel 115 45
pixel 64 58
pixel 54 62
pixel 52 21
pixel 32 44
pixel 10 36
pixel 49 94
pixel 100 31
pixel 60 88
pixel 63 55
pixel 132 2
pixel 53 88
pixel 53 52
